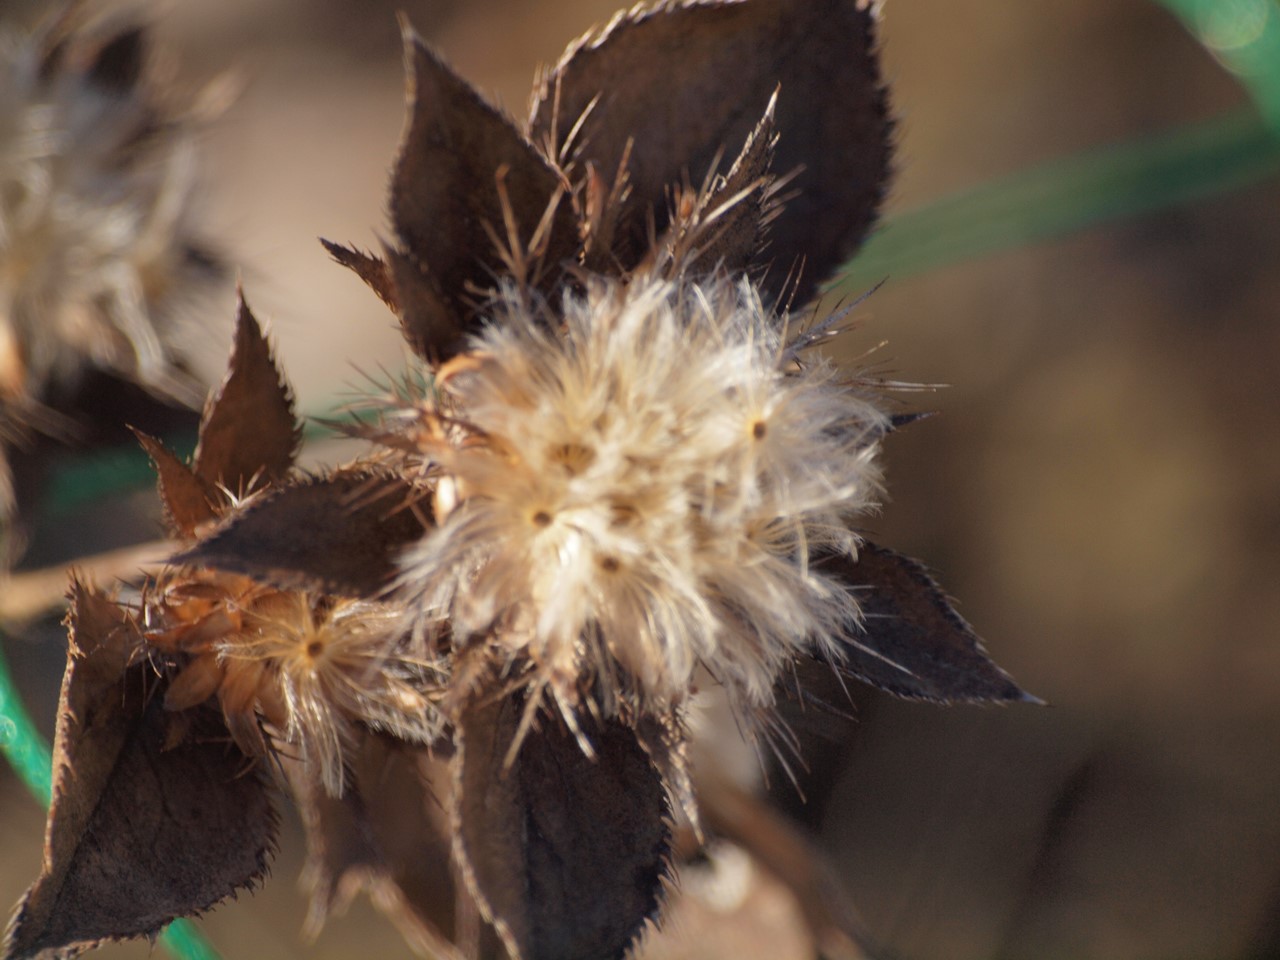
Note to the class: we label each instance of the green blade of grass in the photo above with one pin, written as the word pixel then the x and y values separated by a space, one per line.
pixel 21 742
pixel 30 757
pixel 1110 183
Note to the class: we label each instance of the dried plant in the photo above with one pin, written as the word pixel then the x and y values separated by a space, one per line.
pixel 100 256
pixel 621 474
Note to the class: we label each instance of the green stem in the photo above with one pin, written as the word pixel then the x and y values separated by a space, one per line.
pixel 21 742
pixel 30 757
pixel 1110 183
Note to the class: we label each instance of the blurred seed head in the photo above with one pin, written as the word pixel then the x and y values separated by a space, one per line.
pixel 99 254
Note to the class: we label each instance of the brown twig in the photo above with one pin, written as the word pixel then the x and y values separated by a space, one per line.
pixel 783 850
pixel 26 595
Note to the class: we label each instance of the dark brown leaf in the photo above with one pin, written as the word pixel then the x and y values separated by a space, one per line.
pixel 138 834
pixel 742 204
pixel 429 322
pixel 368 268
pixel 685 82
pixel 565 854
pixel 385 836
pixel 340 534
pixel 914 644
pixel 248 432
pixel 444 194
pixel 186 497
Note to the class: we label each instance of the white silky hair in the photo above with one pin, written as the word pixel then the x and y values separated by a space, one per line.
pixel 642 488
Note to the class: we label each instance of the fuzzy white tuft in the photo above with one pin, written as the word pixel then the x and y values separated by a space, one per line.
pixel 641 491
pixel 328 666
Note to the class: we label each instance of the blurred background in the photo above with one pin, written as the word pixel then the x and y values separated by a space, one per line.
pixel 1101 490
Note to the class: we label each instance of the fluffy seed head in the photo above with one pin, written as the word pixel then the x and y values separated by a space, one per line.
pixel 96 244
pixel 642 487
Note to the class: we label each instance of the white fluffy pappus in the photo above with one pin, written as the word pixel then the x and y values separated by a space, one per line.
pixel 640 492
pixel 321 669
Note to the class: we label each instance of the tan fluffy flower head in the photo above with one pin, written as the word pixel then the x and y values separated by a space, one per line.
pixel 645 488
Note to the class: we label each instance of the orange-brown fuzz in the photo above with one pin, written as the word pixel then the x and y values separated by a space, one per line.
pixel 198 615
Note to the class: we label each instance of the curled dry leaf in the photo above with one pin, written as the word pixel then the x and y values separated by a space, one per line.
pixel 139 833
pixel 384 835
pixel 565 853
pixel 356 524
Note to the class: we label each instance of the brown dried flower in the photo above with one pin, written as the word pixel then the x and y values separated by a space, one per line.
pixel 622 475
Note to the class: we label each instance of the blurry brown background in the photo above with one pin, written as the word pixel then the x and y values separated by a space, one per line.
pixel 1102 490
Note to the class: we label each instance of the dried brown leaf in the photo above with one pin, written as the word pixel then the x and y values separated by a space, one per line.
pixel 187 497
pixel 368 268
pixel 742 204
pixel 685 82
pixel 137 834
pixel 248 432
pixel 914 644
pixel 385 836
pixel 444 195
pixel 430 323
pixel 564 853
pixel 340 534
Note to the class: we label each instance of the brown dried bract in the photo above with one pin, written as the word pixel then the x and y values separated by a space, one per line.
pixel 139 832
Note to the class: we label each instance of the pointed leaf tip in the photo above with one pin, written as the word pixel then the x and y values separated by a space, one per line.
pixel 374 272
pixel 187 498
pixel 248 433
pixel 913 643
pixel 445 200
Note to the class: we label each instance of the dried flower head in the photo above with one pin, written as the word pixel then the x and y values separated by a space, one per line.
pixel 623 477
pixel 642 485
pixel 99 252
pixel 308 667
